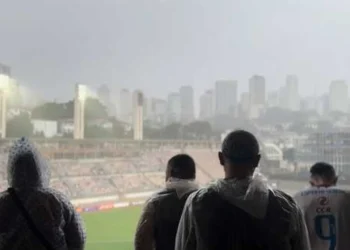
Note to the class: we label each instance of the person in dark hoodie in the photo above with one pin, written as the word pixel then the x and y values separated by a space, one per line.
pixel 33 216
pixel 240 211
pixel 157 226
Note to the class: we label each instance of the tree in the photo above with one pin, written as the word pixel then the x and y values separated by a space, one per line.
pixel 19 125
pixel 118 129
pixel 198 130
pixel 172 131
pixel 94 109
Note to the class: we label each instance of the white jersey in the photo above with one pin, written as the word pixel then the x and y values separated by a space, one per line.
pixel 327 215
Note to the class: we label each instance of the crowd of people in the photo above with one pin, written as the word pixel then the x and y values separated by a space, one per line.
pixel 239 211
pixel 103 177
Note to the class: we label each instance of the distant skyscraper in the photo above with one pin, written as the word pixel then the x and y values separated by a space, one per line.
pixel 257 90
pixel 338 96
pixel 244 104
pixel 125 106
pixel 292 93
pixel 174 108
pixel 187 104
pixel 103 94
pixel 206 103
pixel 308 103
pixel 283 97
pixel 257 96
pixel 157 111
pixel 226 97
pixel 273 99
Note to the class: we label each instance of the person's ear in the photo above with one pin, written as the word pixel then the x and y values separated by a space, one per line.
pixel 221 159
pixel 167 173
pixel 257 160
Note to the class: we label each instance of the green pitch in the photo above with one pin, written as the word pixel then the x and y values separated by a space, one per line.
pixel 112 229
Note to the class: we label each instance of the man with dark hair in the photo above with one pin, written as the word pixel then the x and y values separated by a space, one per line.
pixel 326 209
pixel 159 220
pixel 241 211
pixel 323 175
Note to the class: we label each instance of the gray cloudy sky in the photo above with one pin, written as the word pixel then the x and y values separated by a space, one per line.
pixel 159 45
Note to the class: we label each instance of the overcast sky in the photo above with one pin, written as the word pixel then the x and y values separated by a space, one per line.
pixel 159 45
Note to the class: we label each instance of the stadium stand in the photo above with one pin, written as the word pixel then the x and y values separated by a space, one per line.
pixel 80 174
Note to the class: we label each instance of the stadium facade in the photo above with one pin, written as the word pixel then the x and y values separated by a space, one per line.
pixel 332 147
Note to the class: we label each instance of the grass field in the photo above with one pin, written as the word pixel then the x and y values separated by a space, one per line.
pixel 113 229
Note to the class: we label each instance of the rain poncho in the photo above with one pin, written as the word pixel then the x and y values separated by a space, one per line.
pixel 241 214
pixel 154 214
pixel 52 213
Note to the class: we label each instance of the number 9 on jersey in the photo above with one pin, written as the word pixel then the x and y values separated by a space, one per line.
pixel 326 222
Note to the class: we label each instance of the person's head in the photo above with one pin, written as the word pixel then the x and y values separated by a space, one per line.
pixel 240 154
pixel 323 174
pixel 181 166
pixel 25 167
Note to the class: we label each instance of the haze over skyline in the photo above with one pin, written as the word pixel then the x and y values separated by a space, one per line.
pixel 159 45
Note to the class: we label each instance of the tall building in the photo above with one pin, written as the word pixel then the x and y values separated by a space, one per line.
pixel 173 108
pixel 308 103
pixel 292 93
pixel 125 106
pixel 338 96
pixel 244 104
pixel 273 100
pixel 138 115
pixel 187 104
pixel 257 90
pixel 257 96
pixel 283 97
pixel 206 105
pixel 157 109
pixel 226 97
pixel 103 94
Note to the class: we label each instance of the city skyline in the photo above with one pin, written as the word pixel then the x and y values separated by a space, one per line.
pixel 172 43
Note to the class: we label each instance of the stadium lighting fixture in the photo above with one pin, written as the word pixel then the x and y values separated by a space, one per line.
pixel 4 89
pixel 82 92
pixel 79 111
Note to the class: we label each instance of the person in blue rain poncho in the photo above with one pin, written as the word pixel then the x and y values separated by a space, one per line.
pixel 241 211
pixel 56 223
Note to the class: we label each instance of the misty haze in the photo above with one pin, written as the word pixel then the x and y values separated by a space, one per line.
pixel 109 91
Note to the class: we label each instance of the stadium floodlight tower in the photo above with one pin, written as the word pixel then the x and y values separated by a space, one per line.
pixel 79 111
pixel 138 115
pixel 4 86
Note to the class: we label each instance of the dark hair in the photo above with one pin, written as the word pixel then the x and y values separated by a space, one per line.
pixel 324 170
pixel 182 166
pixel 240 146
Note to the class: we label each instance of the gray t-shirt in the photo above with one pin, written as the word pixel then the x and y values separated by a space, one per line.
pixel 327 216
